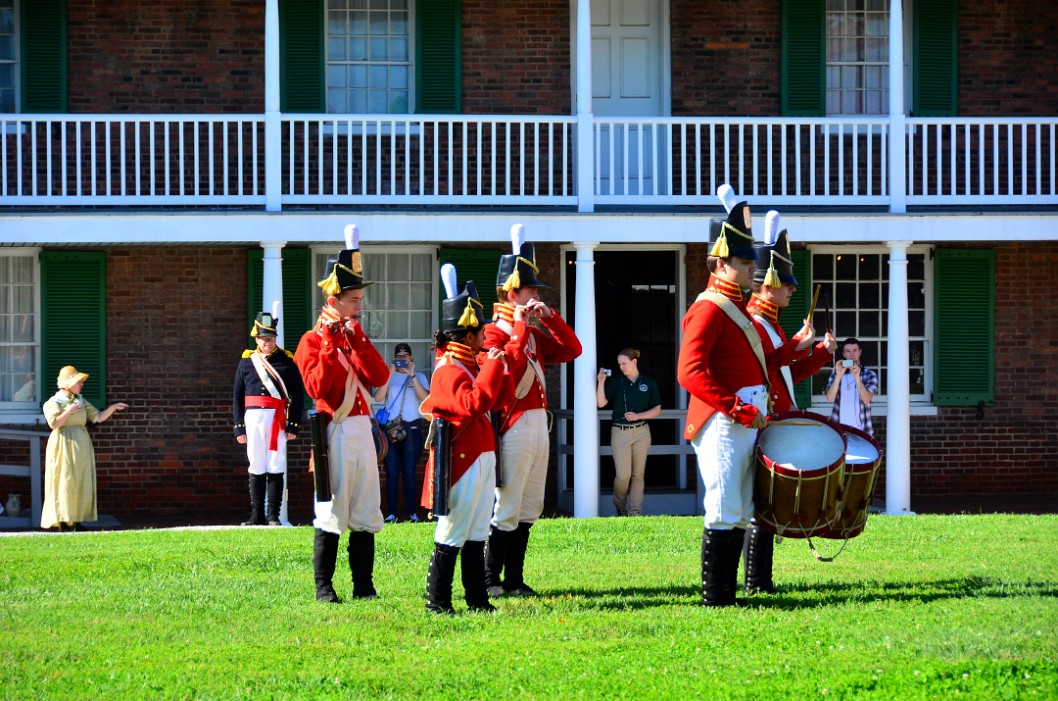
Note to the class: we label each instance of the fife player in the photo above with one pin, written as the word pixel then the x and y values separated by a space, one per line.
pixel 524 444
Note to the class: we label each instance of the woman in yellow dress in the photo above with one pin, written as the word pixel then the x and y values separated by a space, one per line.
pixel 70 462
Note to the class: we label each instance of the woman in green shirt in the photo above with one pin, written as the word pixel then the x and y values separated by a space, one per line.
pixel 635 399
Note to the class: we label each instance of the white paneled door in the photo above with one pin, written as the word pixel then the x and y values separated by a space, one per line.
pixel 626 65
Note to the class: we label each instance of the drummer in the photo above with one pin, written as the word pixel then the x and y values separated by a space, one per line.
pixel 723 366
pixel 773 287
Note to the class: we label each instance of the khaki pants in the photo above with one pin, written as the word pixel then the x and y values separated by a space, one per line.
pixel 630 448
pixel 525 448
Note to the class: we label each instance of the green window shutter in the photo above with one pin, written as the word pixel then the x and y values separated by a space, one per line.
pixel 794 315
pixel 477 265
pixel 296 313
pixel 935 49
pixel 964 329
pixel 301 46
pixel 803 58
pixel 438 49
pixel 73 318
pixel 43 49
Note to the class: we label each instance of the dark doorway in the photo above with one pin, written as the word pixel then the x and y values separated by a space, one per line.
pixel 635 295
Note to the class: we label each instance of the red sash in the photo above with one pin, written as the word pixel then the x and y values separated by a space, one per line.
pixel 279 416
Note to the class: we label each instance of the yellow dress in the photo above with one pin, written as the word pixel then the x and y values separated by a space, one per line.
pixel 70 466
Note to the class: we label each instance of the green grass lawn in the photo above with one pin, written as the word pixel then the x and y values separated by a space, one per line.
pixel 921 607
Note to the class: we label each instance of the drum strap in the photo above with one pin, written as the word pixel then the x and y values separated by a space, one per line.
pixel 744 323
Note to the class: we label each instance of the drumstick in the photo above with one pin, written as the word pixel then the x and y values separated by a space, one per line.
pixel 815 298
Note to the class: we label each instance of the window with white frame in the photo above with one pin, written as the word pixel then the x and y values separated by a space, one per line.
pixel 369 57
pixel 857 282
pixel 8 57
pixel 857 67
pixel 19 343
pixel 400 304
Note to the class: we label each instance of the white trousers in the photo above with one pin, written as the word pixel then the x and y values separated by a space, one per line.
pixel 469 504
pixel 525 450
pixel 725 451
pixel 357 503
pixel 258 431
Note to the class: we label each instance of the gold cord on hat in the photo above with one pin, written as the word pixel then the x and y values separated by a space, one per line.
pixel 721 249
pixel 514 280
pixel 772 278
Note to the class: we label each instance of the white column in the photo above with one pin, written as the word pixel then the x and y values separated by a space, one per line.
pixel 898 393
pixel 272 290
pixel 585 119
pixel 273 123
pixel 897 117
pixel 585 421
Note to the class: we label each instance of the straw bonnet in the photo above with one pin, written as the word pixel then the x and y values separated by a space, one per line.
pixel 68 377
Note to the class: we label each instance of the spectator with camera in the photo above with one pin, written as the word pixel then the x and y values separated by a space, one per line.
pixel 635 398
pixel 405 428
pixel 852 387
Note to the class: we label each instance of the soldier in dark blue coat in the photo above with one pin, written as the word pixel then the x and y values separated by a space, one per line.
pixel 266 407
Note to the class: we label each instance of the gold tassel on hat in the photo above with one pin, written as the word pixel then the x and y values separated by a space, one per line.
pixel 514 280
pixel 469 318
pixel 772 278
pixel 719 249
pixel 330 284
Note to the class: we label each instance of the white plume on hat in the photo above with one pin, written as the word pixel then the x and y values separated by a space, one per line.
pixel 276 307
pixel 727 196
pixel 771 227
pixel 517 238
pixel 352 237
pixel 448 277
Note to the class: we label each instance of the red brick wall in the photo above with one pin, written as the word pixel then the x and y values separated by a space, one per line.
pixel 1008 62
pixel 516 57
pixel 725 58
pixel 178 56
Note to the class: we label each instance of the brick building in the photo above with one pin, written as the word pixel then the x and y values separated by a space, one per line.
pixel 165 167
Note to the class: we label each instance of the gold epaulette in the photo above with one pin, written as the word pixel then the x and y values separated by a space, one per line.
pixel 289 354
pixel 247 353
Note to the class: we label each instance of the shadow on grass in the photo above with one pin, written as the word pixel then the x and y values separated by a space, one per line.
pixel 795 596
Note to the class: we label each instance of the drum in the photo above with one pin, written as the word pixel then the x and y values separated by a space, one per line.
pixel 863 459
pixel 800 460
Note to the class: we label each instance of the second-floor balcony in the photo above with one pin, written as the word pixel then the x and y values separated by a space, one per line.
pixel 471 161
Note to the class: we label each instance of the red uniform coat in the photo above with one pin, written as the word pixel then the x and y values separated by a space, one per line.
pixel 463 394
pixel 323 373
pixel 716 360
pixel 802 367
pixel 560 345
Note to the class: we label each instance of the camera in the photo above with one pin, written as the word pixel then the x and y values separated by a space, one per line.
pixel 607 371
pixel 847 363
pixel 400 363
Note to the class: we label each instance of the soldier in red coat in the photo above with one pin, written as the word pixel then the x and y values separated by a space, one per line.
pixel 525 448
pixel 772 289
pixel 464 395
pixel 723 366
pixel 338 363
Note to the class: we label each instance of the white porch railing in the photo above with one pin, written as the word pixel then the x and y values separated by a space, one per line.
pixel 476 160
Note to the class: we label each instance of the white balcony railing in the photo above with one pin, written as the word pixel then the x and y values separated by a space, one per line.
pixel 475 160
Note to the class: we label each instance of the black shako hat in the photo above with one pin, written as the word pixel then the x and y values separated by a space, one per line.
pixel 732 237
pixel 347 272
pixel 518 269
pixel 461 311
pixel 776 251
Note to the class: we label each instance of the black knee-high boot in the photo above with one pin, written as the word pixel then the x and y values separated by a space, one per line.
pixel 495 559
pixel 719 571
pixel 472 570
pixel 758 554
pixel 274 489
pixel 324 556
pixel 362 564
pixel 257 497
pixel 439 578
pixel 514 580
pixel 734 554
